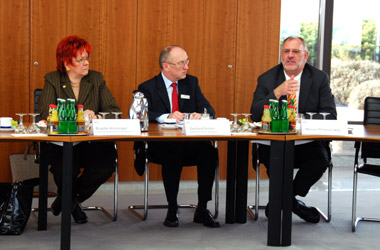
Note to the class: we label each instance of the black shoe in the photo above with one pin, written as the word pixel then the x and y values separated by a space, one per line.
pixel 56 206
pixel 204 216
pixel 171 219
pixel 309 214
pixel 267 210
pixel 78 214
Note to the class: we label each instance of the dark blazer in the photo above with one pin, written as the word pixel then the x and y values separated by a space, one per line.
pixel 315 93
pixel 158 103
pixel 93 93
pixel 157 95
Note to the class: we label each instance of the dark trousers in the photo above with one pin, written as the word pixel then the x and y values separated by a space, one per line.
pixel 174 155
pixel 97 159
pixel 312 160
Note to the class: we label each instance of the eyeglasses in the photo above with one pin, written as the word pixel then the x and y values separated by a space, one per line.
pixel 180 63
pixel 294 51
pixel 81 60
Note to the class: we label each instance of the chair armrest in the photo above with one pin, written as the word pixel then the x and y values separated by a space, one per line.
pixel 357 148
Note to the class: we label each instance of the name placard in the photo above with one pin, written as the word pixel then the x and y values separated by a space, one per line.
pixel 206 127
pixel 116 127
pixel 324 127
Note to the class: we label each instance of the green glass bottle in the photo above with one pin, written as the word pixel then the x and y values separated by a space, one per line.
pixel 284 116
pixel 276 119
pixel 62 110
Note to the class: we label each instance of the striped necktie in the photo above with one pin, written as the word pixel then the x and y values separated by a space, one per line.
pixel 293 97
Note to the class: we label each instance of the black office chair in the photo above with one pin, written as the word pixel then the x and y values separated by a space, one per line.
pixel 254 209
pixel 37 93
pixel 368 150
pixel 145 206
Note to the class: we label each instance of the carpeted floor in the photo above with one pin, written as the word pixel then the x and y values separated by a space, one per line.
pixel 129 232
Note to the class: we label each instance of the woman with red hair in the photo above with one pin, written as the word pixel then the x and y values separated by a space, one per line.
pixel 75 80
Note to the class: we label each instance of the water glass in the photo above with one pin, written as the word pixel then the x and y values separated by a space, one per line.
pixel 87 123
pixel 235 125
pixel 21 128
pixel 311 115
pixel 205 116
pixel 324 114
pixel 117 114
pixel 104 114
pixel 187 116
pixel 33 128
pixel 245 127
pixel 299 118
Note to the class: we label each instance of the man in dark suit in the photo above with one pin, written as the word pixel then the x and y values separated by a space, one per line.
pixel 172 94
pixel 310 89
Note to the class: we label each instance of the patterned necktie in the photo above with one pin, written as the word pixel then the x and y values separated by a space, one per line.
pixel 175 106
pixel 293 97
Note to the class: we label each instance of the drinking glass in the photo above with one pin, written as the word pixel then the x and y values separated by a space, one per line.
pixel 116 114
pixel 235 126
pixel 187 116
pixel 311 114
pixel 21 128
pixel 104 114
pixel 205 116
pixel 87 123
pixel 299 118
pixel 245 127
pixel 324 115
pixel 33 128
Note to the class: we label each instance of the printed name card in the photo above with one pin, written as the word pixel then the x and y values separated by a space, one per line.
pixel 116 127
pixel 324 127
pixel 206 127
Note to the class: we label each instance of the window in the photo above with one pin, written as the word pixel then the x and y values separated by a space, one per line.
pixel 355 53
pixel 299 20
pixel 355 58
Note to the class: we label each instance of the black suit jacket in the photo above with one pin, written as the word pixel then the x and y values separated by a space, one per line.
pixel 158 101
pixel 315 93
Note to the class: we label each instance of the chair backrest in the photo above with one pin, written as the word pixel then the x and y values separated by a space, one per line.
pixel 372 111
pixel 371 117
pixel 37 93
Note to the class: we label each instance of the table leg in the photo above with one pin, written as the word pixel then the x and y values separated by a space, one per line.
pixel 275 192
pixel 43 188
pixel 230 186
pixel 66 195
pixel 241 182
pixel 280 193
pixel 287 192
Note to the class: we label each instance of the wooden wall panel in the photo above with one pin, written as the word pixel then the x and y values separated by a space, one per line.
pixel 218 68
pixel 14 71
pixel 120 68
pixel 257 48
pixel 87 20
pixel 152 36
pixel 48 26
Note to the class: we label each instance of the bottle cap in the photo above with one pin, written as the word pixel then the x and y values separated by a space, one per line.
pixel 266 106
pixel 80 106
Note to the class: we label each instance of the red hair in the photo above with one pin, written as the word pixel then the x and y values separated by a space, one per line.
pixel 68 48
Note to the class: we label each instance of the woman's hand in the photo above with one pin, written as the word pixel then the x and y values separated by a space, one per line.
pixel 91 114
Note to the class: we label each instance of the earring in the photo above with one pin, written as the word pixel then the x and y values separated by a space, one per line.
pixel 67 68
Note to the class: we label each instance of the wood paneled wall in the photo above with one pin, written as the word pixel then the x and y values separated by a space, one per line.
pixel 229 43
